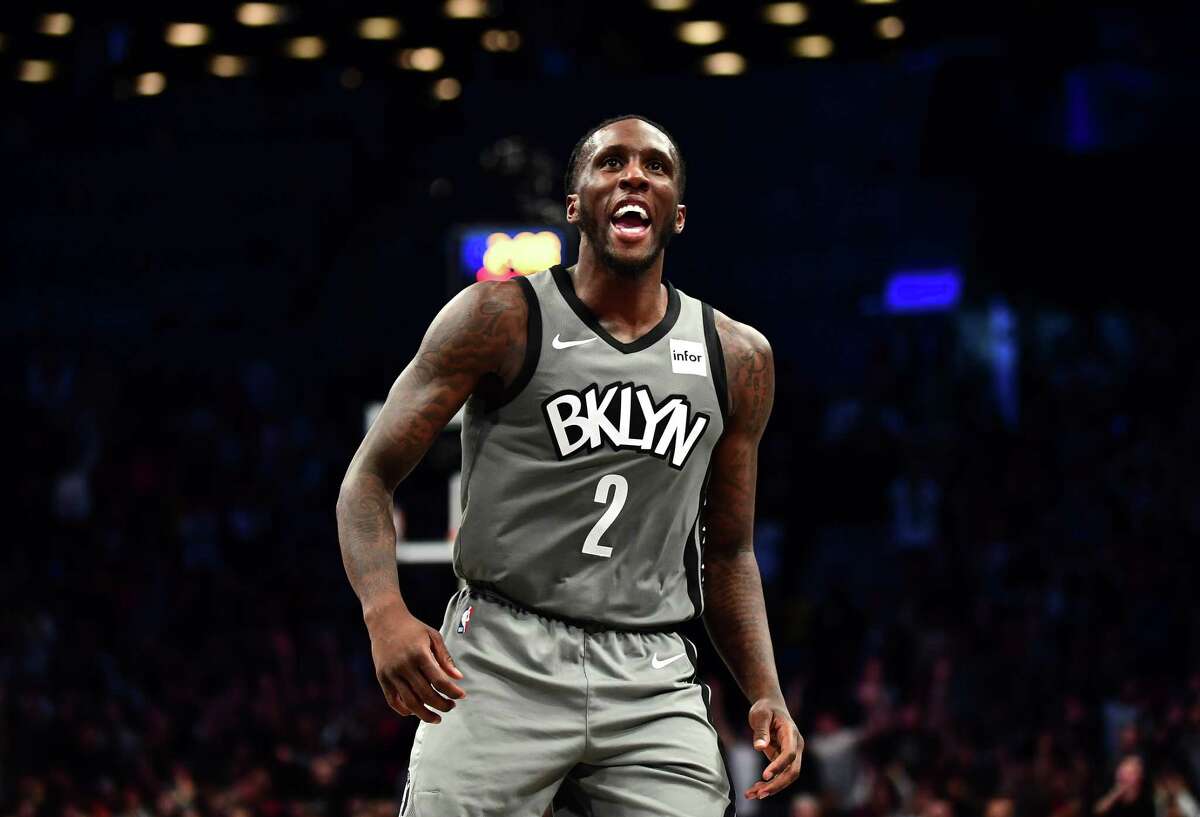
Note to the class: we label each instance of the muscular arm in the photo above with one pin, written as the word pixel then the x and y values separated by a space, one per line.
pixel 735 614
pixel 474 345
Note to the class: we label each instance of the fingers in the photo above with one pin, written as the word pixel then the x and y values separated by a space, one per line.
pixel 423 680
pixel 414 703
pixel 760 726
pixel 397 704
pixel 436 672
pixel 412 693
pixel 433 669
pixel 397 694
pixel 784 757
pixel 419 682
pixel 784 767
pixel 445 660
pixel 429 683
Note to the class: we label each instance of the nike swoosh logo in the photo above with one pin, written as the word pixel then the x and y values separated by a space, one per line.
pixel 567 344
pixel 654 662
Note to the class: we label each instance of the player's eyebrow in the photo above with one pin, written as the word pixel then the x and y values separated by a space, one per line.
pixel 623 149
pixel 665 158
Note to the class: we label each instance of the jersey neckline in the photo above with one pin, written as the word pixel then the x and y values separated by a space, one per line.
pixel 566 287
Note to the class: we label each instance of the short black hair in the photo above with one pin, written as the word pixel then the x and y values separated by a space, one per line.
pixel 571 178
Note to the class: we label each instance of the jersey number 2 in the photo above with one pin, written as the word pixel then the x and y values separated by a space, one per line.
pixel 616 485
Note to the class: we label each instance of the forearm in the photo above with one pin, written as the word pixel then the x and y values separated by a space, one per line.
pixel 736 618
pixel 367 536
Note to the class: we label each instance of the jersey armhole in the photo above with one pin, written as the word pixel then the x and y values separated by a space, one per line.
pixel 533 347
pixel 716 356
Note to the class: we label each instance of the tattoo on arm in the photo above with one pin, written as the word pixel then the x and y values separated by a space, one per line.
pixel 735 613
pixel 751 374
pixel 474 346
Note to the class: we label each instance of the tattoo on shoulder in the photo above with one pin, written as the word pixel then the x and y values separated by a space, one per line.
pixel 480 333
pixel 750 368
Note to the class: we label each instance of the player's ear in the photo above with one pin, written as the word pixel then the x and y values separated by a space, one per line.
pixel 572 208
pixel 680 217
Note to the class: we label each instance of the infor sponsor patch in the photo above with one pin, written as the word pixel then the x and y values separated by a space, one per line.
pixel 687 357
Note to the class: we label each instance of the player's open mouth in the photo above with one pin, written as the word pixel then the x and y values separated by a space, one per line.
pixel 631 222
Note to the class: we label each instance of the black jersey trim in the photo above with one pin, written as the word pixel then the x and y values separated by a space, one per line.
pixel 716 357
pixel 533 347
pixel 565 286
pixel 693 555
pixel 692 566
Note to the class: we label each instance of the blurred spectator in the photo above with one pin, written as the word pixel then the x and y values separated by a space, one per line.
pixel 999 807
pixel 1172 797
pixel 883 800
pixel 180 641
pixel 805 805
pixel 835 749
pixel 1129 796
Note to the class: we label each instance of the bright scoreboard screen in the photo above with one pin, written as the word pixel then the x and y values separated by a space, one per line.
pixel 490 253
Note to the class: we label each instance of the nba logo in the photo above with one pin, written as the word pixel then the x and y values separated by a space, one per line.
pixel 465 620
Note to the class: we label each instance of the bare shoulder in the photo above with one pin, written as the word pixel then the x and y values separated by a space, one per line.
pixel 749 368
pixel 481 330
pixel 493 305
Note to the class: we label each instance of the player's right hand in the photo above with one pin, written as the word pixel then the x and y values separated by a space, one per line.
pixel 412 664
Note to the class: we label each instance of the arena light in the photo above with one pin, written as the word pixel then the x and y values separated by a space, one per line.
pixel 151 83
pixel 670 5
pixel 465 9
pixel 889 28
pixel 186 35
pixel 379 28
pixel 701 32
pixel 35 71
pixel 935 290
pixel 58 24
pixel 420 59
pixel 495 253
pixel 227 65
pixel 724 64
pixel 446 89
pixel 785 14
pixel 815 47
pixel 260 14
pixel 306 48
pixel 496 40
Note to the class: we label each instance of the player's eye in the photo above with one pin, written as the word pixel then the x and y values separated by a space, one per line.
pixel 611 161
pixel 656 165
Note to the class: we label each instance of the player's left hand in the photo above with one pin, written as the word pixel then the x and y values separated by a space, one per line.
pixel 776 736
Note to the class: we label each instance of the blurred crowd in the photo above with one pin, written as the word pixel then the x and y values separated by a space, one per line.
pixel 976 560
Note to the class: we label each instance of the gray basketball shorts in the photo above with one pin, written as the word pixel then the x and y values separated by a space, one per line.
pixel 599 723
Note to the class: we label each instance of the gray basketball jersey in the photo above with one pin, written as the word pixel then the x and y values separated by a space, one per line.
pixel 582 485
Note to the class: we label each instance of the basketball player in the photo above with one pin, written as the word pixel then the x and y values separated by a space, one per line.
pixel 609 460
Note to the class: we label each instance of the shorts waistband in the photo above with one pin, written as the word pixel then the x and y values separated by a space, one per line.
pixel 488 591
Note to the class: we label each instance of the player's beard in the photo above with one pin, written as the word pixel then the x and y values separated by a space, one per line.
pixel 597 232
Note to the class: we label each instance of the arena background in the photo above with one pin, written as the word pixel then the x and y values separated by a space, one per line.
pixel 966 228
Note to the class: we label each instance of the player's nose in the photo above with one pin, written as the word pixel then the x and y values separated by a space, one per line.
pixel 634 177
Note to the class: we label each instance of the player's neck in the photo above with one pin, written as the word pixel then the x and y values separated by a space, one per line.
pixel 632 302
